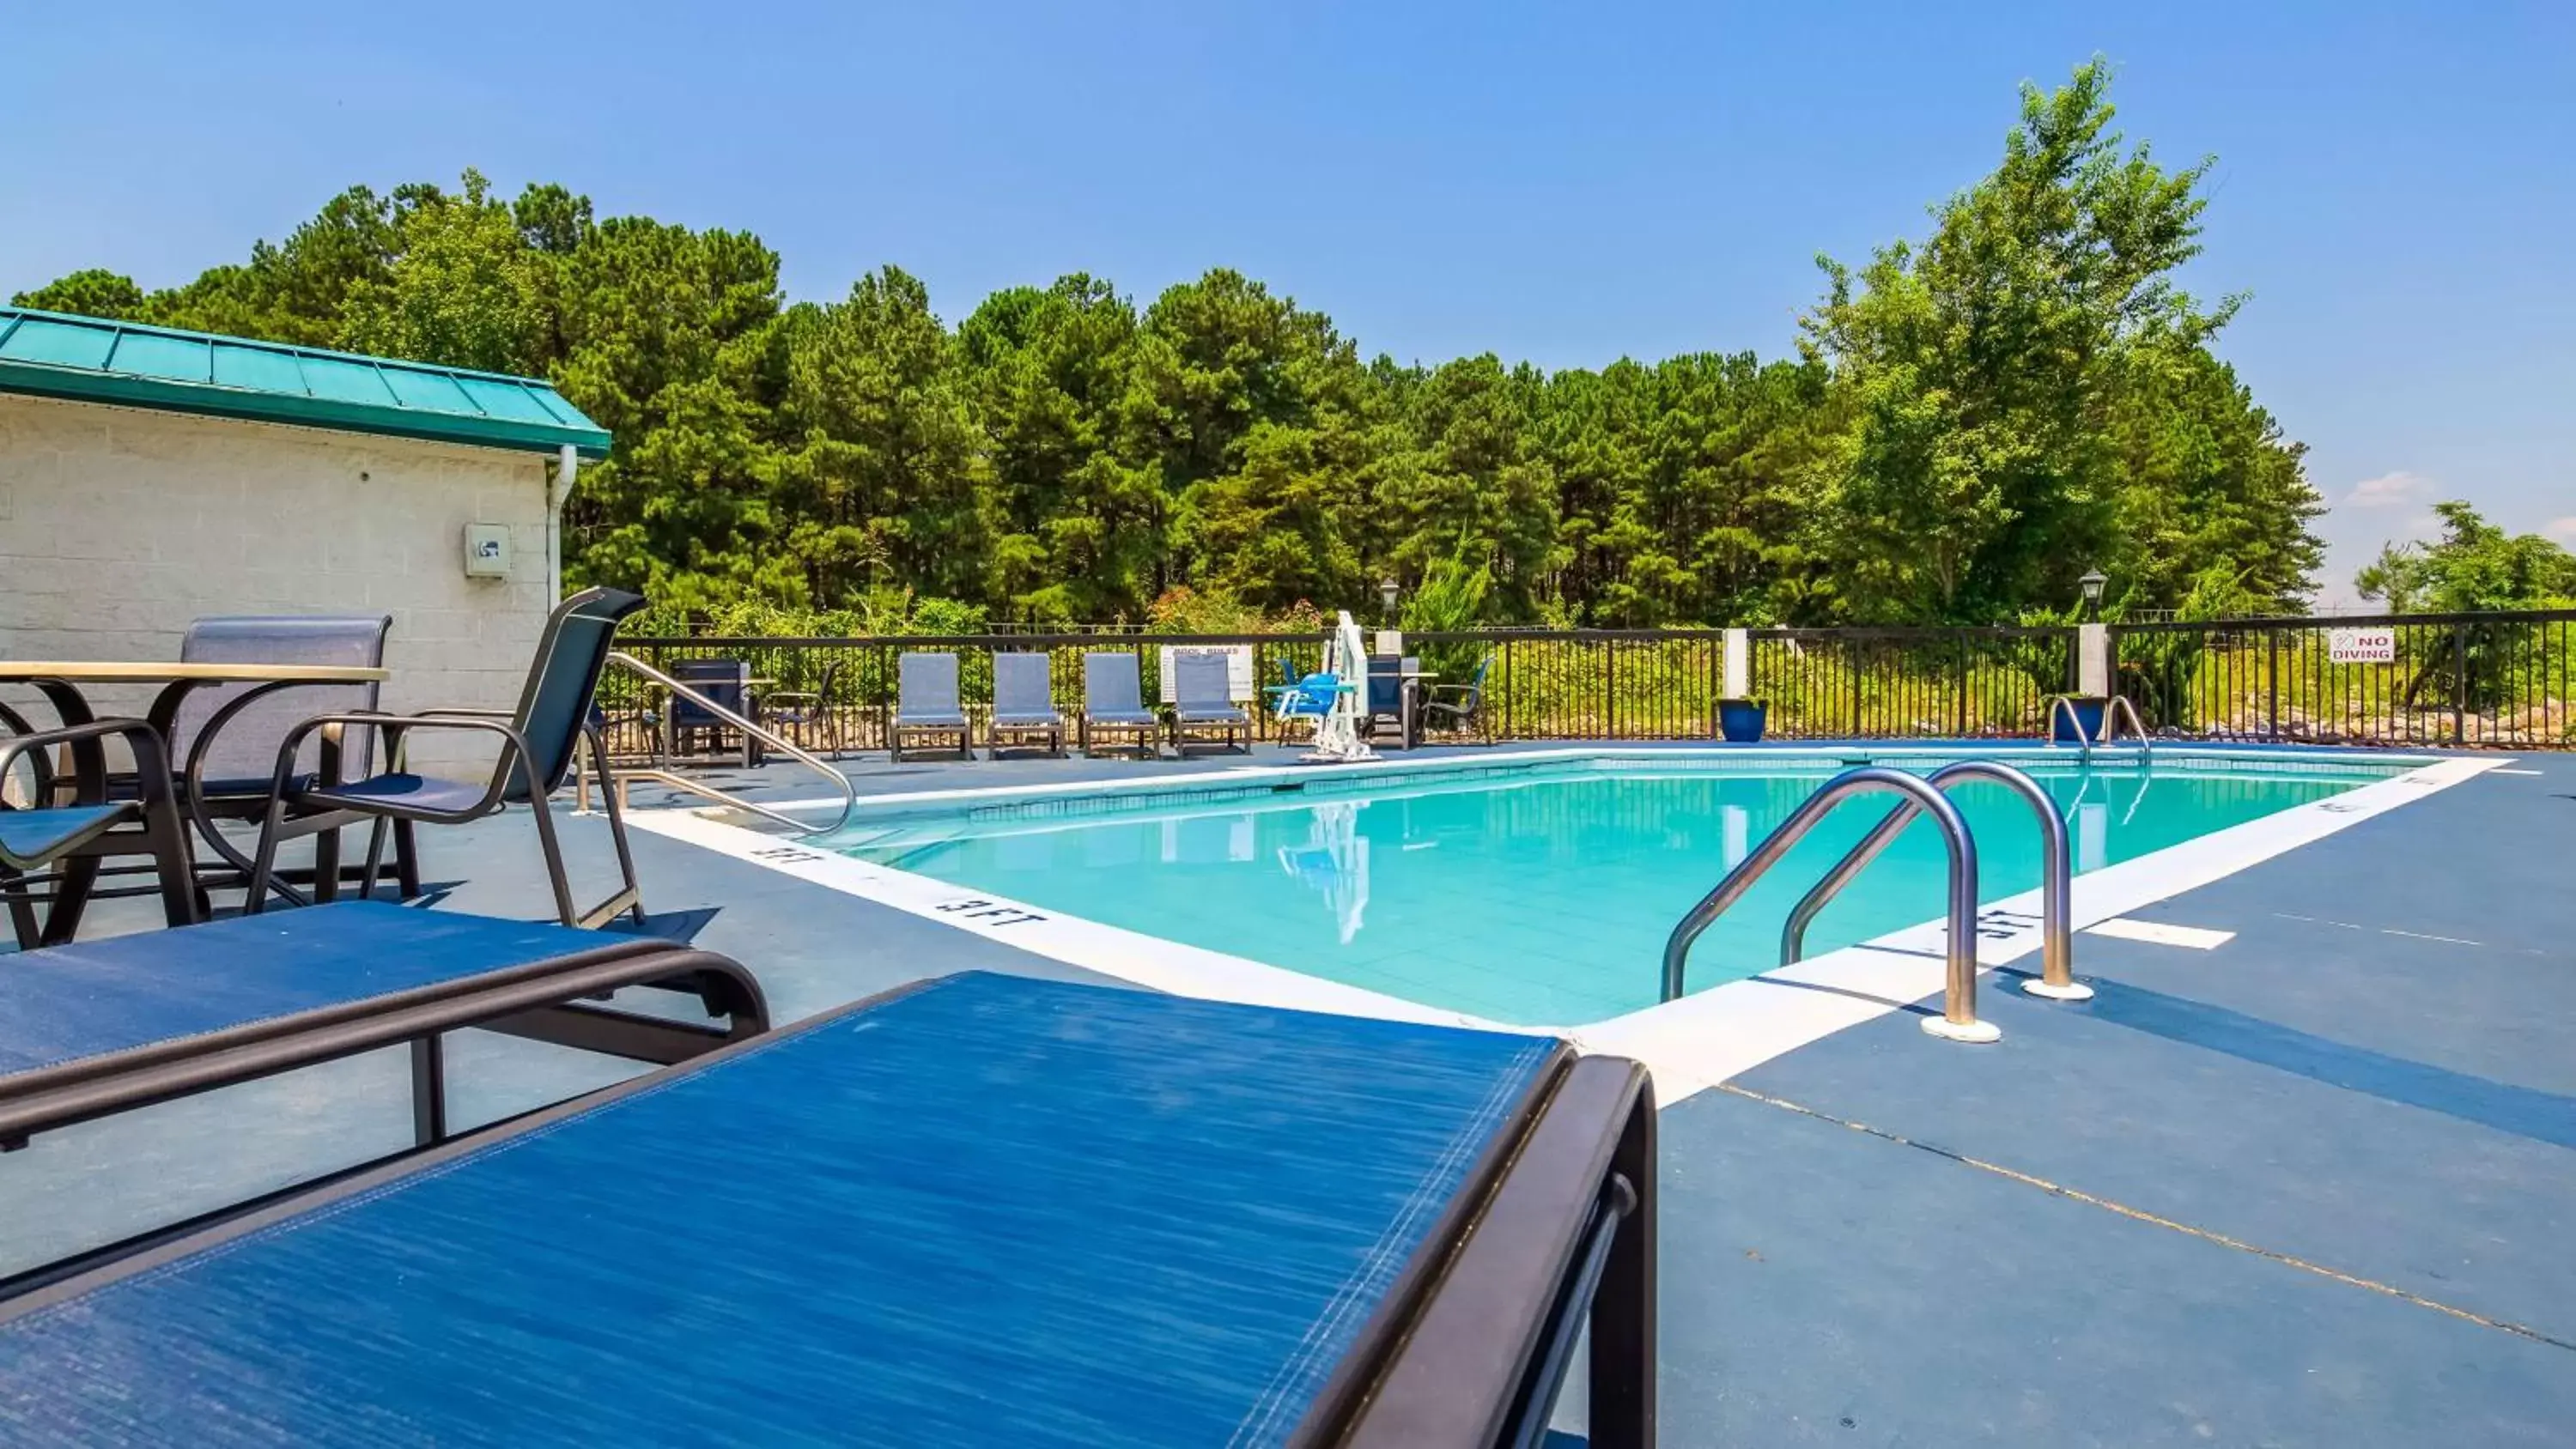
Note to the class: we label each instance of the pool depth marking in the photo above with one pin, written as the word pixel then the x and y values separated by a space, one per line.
pixel 1691 1044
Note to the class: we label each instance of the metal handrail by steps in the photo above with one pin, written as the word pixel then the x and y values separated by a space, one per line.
pixel 1958 1018
pixel 2056 980
pixel 2111 713
pixel 613 778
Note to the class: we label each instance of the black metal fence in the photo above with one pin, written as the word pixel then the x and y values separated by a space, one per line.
pixel 2483 679
pixel 2395 679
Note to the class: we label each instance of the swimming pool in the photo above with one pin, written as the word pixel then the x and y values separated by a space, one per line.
pixel 1540 893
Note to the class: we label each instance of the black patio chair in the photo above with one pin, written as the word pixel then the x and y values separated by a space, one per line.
pixel 811 718
pixel 1462 711
pixel 728 683
pixel 537 740
pixel 224 739
pixel 69 840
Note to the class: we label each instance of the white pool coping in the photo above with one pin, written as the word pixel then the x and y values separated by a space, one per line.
pixel 1691 1044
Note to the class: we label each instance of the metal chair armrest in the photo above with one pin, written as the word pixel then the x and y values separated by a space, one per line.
pixel 151 754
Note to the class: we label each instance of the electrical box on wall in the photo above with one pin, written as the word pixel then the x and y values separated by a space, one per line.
pixel 487 551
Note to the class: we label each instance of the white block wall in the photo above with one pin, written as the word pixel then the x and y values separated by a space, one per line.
pixel 120 525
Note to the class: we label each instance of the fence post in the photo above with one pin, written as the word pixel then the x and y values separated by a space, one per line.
pixel 1610 687
pixel 1961 730
pixel 2272 686
pixel 1851 664
pixel 2459 684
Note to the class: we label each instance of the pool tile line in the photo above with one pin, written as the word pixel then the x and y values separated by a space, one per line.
pixel 1691 1044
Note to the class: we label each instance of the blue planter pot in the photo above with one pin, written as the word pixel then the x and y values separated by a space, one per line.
pixel 2088 710
pixel 1740 720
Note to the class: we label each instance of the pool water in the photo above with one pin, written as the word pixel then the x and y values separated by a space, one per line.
pixel 1543 897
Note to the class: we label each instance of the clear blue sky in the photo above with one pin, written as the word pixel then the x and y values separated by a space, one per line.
pixel 2396 185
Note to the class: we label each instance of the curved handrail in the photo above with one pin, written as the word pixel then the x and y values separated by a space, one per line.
pixel 2056 873
pixel 2111 712
pixel 610 778
pixel 2065 704
pixel 1958 1018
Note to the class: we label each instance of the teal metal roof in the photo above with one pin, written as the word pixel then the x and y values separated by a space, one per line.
pixel 86 359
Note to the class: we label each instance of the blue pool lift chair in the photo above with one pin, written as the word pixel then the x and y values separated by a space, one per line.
pixel 1024 704
pixel 1203 703
pixel 1113 704
pixel 927 707
pixel 537 749
pixel 45 843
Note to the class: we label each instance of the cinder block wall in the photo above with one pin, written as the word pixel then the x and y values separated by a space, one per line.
pixel 120 525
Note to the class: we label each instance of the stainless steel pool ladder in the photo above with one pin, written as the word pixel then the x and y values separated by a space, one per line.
pixel 613 778
pixel 1958 1018
pixel 2112 708
pixel 2056 980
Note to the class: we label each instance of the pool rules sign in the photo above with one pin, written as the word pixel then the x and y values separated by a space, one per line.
pixel 2361 646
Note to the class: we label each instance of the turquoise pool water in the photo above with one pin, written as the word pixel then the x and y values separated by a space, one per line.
pixel 1540 897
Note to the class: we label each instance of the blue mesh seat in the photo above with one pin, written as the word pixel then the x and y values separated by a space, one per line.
pixel 926 704
pixel 1203 702
pixel 538 744
pixel 1113 703
pixel 1024 703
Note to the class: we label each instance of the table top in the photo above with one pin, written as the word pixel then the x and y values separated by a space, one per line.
pixel 994 1211
pixel 149 671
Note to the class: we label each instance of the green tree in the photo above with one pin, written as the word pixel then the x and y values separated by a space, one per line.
pixel 2473 566
pixel 1979 472
pixel 96 292
pixel 886 476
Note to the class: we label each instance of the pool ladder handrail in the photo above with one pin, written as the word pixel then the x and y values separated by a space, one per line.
pixel 2112 708
pixel 2119 705
pixel 2056 980
pixel 614 778
pixel 1958 1018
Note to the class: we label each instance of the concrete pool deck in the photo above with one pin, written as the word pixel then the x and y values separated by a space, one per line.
pixel 2315 1184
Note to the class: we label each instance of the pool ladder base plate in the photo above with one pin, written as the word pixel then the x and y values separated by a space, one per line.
pixel 1967 1031
pixel 2071 991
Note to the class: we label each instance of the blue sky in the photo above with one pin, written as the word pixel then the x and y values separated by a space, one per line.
pixel 2396 185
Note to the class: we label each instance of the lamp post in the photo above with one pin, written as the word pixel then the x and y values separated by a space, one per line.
pixel 2092 584
pixel 1387 592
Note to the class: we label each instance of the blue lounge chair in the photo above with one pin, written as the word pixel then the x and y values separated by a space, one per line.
pixel 74 838
pixel 1024 704
pixel 537 741
pixel 97 1028
pixel 1215 1224
pixel 1113 704
pixel 926 705
pixel 1203 703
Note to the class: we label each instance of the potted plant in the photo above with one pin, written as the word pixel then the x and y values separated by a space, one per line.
pixel 1740 720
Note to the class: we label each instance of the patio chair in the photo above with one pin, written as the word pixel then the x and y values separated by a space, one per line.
pixel 70 840
pixel 1155 1250
pixel 537 742
pixel 223 741
pixel 926 705
pixel 1024 704
pixel 809 716
pixel 1394 697
pixel 97 1028
pixel 728 683
pixel 1113 704
pixel 1462 711
pixel 1203 703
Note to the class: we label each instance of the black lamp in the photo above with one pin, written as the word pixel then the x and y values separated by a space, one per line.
pixel 1387 591
pixel 2092 584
